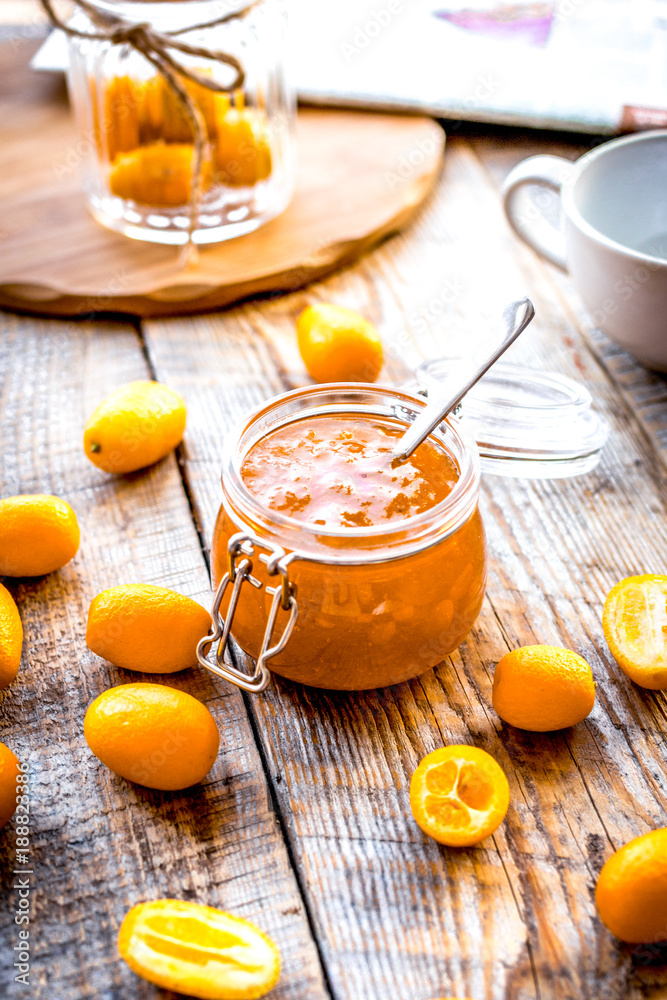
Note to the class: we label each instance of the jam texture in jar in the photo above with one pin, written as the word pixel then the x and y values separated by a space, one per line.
pixel 387 561
pixel 335 472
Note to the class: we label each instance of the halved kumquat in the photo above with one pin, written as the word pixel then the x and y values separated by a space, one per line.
pixel 198 950
pixel 634 621
pixel 459 795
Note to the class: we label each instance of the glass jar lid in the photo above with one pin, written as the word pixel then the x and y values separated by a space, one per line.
pixel 528 424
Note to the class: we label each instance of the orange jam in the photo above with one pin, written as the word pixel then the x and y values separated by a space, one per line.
pixel 331 473
pixel 387 579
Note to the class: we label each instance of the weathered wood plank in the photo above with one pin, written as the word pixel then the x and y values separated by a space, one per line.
pixel 398 916
pixel 99 843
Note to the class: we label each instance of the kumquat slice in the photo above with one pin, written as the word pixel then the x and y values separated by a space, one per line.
pixel 459 795
pixel 198 950
pixel 634 622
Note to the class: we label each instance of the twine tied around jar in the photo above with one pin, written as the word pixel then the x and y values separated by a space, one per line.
pixel 157 48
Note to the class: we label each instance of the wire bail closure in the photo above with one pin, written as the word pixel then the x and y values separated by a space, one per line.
pixel 240 553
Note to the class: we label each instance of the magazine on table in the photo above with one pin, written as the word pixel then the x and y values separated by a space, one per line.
pixel 596 66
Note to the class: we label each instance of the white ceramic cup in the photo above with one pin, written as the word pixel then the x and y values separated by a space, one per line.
pixel 613 234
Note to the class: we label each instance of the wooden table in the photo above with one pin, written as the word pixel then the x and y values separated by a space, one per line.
pixel 303 825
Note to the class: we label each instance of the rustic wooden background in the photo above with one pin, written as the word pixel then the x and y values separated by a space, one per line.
pixel 303 825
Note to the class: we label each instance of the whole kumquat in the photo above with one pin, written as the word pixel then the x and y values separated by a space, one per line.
pixel 9 771
pixel 459 795
pixel 135 426
pixel 198 950
pixel 157 736
pixel 543 688
pixel 142 627
pixel 158 174
pixel 631 892
pixel 338 345
pixel 242 152
pixel 11 638
pixel 634 622
pixel 39 533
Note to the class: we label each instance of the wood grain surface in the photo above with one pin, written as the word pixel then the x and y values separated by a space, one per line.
pixel 304 824
pixel 396 915
pixel 359 177
pixel 99 844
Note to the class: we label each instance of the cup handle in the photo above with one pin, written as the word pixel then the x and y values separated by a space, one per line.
pixel 533 227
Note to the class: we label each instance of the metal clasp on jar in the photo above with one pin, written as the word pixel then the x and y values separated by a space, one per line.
pixel 240 553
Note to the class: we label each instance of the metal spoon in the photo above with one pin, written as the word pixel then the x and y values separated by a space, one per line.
pixel 516 318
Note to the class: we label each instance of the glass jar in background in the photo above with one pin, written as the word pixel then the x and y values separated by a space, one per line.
pixel 138 172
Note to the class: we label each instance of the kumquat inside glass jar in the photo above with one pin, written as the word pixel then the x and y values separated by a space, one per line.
pixel 186 114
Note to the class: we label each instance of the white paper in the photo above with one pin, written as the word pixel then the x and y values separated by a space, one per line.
pixel 573 64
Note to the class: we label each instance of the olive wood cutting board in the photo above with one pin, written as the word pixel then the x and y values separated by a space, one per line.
pixel 360 177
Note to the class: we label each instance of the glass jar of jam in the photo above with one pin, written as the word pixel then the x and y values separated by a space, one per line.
pixel 140 162
pixel 341 567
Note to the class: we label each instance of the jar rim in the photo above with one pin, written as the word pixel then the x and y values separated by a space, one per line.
pixel 417 530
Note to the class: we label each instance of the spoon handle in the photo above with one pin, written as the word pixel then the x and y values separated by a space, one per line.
pixel 516 318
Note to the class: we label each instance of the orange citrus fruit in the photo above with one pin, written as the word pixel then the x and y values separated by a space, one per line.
pixel 157 174
pixel 162 115
pixel 634 622
pixel 139 626
pixel 136 425
pixel 198 950
pixel 157 736
pixel 542 688
pixel 631 892
pixel 338 345
pixel 38 533
pixel 11 638
pixel 459 795
pixel 120 118
pixel 9 770
pixel 242 150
